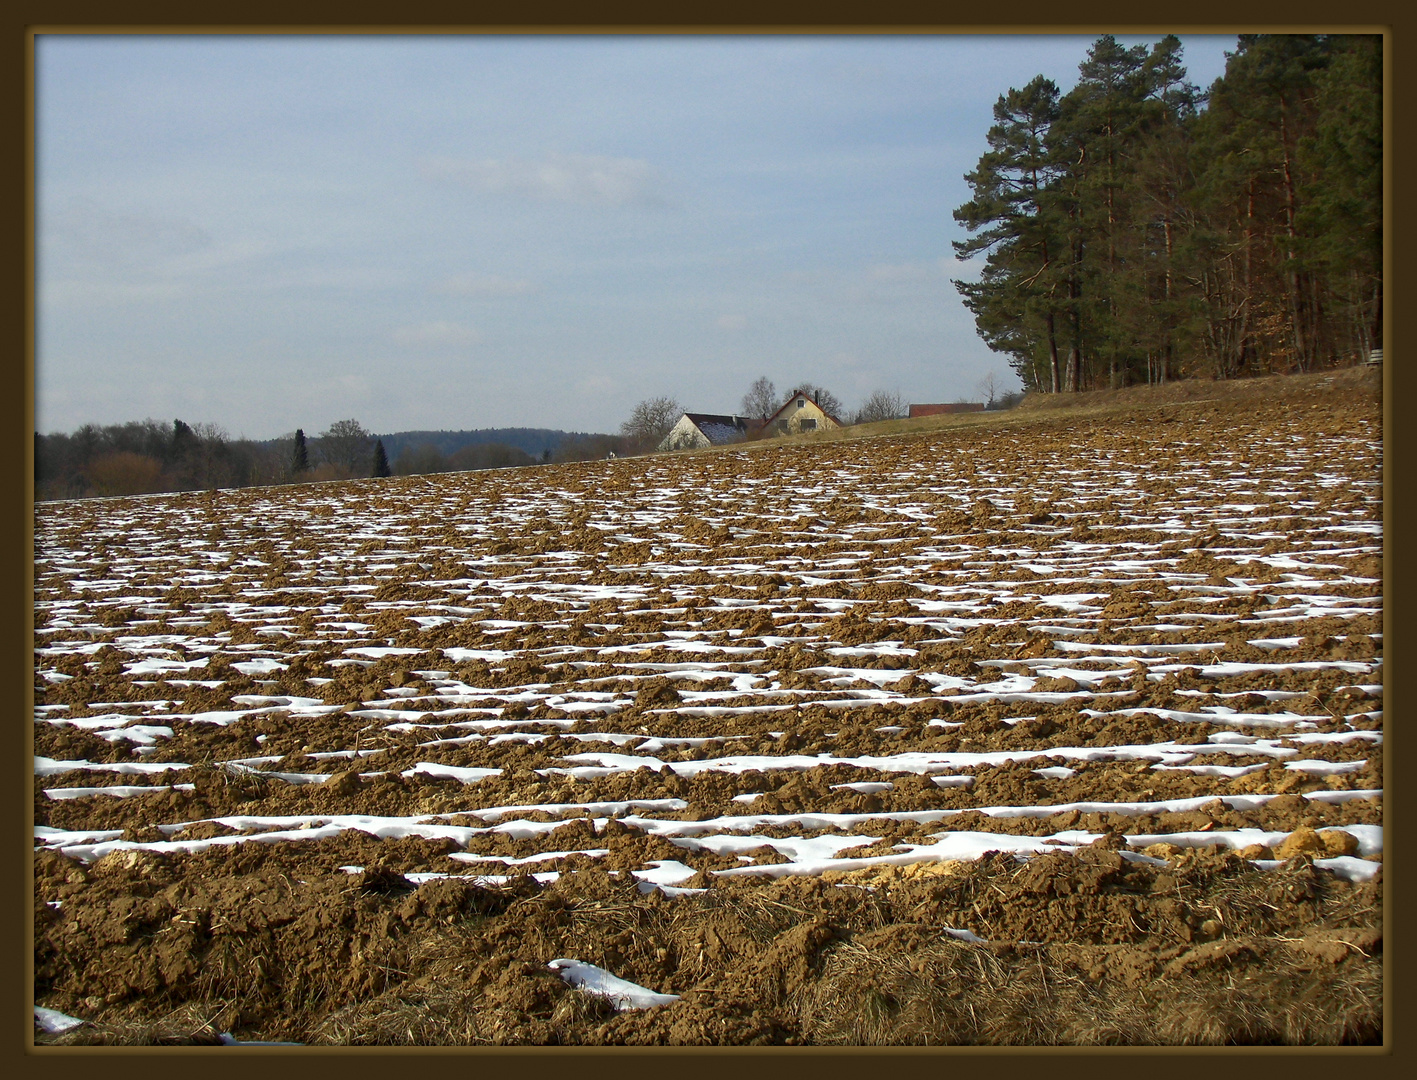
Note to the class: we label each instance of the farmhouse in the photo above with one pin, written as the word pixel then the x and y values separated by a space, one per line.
pixel 936 410
pixel 697 430
pixel 800 414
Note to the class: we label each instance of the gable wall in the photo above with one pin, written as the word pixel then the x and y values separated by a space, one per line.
pixel 684 435
pixel 794 417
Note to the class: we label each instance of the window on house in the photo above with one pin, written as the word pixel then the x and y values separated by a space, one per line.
pixel 782 425
pixel 808 424
pixel 801 402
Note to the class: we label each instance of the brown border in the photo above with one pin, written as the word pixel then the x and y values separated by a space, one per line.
pixel 1028 16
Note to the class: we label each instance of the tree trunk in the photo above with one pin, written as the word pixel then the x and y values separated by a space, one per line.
pixel 1054 376
pixel 1375 331
pixel 1167 328
pixel 1247 289
pixel 1303 343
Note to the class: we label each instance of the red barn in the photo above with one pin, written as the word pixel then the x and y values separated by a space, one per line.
pixel 935 410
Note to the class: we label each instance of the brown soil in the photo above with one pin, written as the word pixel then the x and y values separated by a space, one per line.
pixel 271 940
pixel 1007 588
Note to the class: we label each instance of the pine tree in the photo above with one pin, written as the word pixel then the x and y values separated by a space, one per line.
pixel 182 456
pixel 1252 189
pixel 381 459
pixel 183 440
pixel 1016 302
pixel 1158 319
pixel 300 456
pixel 1341 193
pixel 1099 128
pixel 1135 229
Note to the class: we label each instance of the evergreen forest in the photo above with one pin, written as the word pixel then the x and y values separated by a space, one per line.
pixel 1139 230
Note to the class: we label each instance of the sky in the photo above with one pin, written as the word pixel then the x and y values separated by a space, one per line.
pixel 453 232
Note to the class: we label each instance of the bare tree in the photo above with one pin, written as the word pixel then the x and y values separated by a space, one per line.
pixel 828 402
pixel 489 456
pixel 881 405
pixel 649 423
pixel 590 448
pixel 421 459
pixel 761 400
pixel 989 389
pixel 346 446
pixel 124 473
pixel 210 457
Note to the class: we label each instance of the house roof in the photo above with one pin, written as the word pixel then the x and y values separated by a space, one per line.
pixel 793 398
pixel 719 429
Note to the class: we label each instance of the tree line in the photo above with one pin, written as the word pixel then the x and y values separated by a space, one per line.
pixel 540 443
pixel 1137 230
pixel 144 456
pixel 147 456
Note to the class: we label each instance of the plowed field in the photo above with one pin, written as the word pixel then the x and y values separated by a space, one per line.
pixel 1060 727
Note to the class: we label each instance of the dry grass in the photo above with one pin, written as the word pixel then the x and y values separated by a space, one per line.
pixel 957 994
pixel 456 1017
pixel 194 1023
pixel 449 1017
pixel 1284 1004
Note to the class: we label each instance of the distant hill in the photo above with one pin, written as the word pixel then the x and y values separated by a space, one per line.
pixel 535 441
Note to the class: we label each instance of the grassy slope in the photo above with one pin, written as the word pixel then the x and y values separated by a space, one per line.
pixel 1340 387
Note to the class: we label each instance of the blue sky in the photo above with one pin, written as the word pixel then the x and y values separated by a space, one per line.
pixel 461 232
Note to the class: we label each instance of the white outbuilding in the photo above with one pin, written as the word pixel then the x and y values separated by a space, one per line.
pixel 697 430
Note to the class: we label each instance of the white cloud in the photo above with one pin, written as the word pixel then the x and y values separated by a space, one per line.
pixel 484 285
pixel 436 334
pixel 119 294
pixel 732 322
pixel 84 229
pixel 574 178
pixel 597 385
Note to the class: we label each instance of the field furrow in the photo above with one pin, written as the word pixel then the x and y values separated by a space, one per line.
pixel 1161 640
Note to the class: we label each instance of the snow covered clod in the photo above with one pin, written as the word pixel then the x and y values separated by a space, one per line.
pixel 594 980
